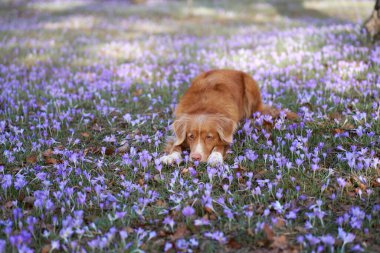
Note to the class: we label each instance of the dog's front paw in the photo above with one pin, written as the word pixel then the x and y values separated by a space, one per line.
pixel 215 158
pixel 174 157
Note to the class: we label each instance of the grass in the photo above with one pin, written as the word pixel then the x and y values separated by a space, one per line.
pixel 88 90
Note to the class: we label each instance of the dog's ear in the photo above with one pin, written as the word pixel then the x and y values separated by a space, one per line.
pixel 179 128
pixel 225 128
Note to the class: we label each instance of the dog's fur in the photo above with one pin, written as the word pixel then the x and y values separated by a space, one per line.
pixel 209 112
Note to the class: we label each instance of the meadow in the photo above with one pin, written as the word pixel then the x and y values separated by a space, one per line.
pixel 87 93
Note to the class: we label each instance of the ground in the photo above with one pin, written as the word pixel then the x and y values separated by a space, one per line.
pixel 88 90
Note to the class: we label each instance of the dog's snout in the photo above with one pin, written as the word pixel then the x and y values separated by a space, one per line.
pixel 196 157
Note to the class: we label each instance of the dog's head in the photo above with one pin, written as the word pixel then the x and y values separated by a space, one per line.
pixel 202 133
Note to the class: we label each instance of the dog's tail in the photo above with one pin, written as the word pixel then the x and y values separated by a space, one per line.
pixel 275 113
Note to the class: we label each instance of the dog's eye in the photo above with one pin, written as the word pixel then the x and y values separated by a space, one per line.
pixel 191 137
pixel 209 137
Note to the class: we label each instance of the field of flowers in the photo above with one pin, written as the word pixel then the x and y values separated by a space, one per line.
pixel 87 92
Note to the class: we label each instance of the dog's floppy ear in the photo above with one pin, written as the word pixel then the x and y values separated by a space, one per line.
pixel 225 128
pixel 179 128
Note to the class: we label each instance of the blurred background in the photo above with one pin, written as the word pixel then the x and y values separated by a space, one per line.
pixel 91 26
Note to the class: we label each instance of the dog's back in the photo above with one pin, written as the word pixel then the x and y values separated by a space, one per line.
pixel 227 92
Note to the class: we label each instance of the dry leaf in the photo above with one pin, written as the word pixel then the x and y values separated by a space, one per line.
pixel 51 160
pixel 348 126
pixel 110 151
pixel 250 232
pixel 47 152
pixel 212 217
pixel 180 232
pixel 268 126
pixel 8 205
pixel 375 183
pixel 233 244
pixel 362 186
pixel 184 171
pixel 137 92
pixel 161 233
pixel 29 200
pixel 308 105
pixel 85 134
pixel 123 148
pixel 157 178
pixel 141 182
pixel 241 169
pixel 46 248
pixel 268 232
pixel 97 128
pixel 338 131
pixel 300 229
pixel 280 223
pixel 280 242
pixel 335 116
pixel 260 174
pixel 130 230
pixel 31 159
pixel 208 210
pixel 161 203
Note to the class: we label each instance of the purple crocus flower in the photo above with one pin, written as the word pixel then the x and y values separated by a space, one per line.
pixel 3 244
pixel 6 181
pixel 346 237
pixel 341 182
pixel 327 239
pixel 188 211
pixel 217 235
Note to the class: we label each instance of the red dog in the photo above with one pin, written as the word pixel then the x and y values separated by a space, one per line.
pixel 209 112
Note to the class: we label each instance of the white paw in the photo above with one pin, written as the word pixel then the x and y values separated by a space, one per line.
pixel 174 157
pixel 215 158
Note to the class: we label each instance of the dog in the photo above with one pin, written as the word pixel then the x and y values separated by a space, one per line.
pixel 209 112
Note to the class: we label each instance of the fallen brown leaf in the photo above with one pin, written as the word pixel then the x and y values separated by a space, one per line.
pixel 31 159
pixel 97 128
pixel 47 152
pixel 336 116
pixel 123 148
pixel 51 160
pixel 110 150
pixel 184 171
pixel 130 230
pixel 338 131
pixel 250 232
pixel 212 217
pixel 280 223
pixel 85 134
pixel 300 229
pixel 348 126
pixel 180 232
pixel 46 248
pixel 233 244
pixel 308 105
pixel 259 174
pixel 29 201
pixel 8 204
pixel 208 210
pixel 375 183
pixel 268 126
pixel 280 242
pixel 268 232
pixel 161 233
pixel 137 92
pixel 141 181
pixel 161 203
